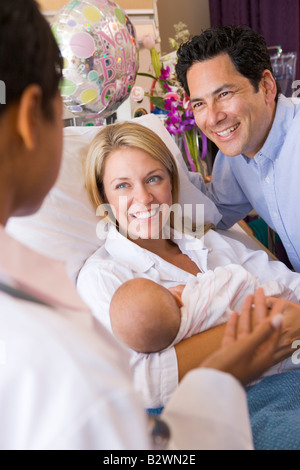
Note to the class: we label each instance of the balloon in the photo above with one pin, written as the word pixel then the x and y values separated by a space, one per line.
pixel 98 44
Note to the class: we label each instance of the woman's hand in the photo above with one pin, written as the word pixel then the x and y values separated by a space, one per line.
pixel 290 330
pixel 250 340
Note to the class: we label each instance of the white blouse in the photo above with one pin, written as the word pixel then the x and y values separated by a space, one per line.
pixel 119 259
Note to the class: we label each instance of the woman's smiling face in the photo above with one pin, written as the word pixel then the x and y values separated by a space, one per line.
pixel 139 190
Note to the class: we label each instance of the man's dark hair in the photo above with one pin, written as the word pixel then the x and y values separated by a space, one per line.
pixel 28 53
pixel 246 48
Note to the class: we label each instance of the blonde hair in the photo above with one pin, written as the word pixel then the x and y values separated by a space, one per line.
pixel 115 136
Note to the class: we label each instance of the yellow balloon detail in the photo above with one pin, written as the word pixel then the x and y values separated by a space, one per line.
pixel 92 14
pixel 88 96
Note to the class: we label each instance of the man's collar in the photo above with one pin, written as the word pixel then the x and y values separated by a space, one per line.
pixel 284 115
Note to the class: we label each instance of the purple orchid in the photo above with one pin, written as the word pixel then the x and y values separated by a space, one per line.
pixel 165 74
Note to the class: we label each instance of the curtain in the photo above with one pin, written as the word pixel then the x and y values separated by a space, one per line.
pixel 277 20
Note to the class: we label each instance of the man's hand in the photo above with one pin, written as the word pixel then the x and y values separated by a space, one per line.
pixel 290 330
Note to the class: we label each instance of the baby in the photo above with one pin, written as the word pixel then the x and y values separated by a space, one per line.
pixel 148 318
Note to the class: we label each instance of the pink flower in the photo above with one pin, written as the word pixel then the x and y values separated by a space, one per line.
pixel 167 87
pixel 137 93
pixel 186 102
pixel 172 95
pixel 148 41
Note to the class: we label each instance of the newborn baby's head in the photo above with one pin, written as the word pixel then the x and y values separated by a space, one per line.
pixel 144 315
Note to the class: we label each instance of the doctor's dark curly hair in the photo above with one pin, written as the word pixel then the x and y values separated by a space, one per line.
pixel 28 53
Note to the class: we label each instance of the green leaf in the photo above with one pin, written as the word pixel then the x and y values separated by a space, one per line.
pixel 155 61
pixel 158 101
pixel 147 75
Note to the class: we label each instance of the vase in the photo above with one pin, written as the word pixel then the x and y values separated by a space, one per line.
pixel 191 146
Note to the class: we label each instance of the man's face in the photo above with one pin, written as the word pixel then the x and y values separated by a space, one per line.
pixel 228 109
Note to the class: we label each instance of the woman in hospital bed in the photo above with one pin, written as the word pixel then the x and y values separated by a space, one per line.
pixel 130 169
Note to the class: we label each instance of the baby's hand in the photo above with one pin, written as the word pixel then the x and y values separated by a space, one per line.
pixel 177 293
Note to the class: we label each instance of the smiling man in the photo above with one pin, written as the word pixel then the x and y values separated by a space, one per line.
pixel 236 102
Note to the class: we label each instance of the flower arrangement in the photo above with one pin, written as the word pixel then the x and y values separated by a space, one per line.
pixel 182 35
pixel 167 95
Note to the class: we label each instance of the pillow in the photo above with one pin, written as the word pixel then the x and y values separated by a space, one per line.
pixel 65 226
